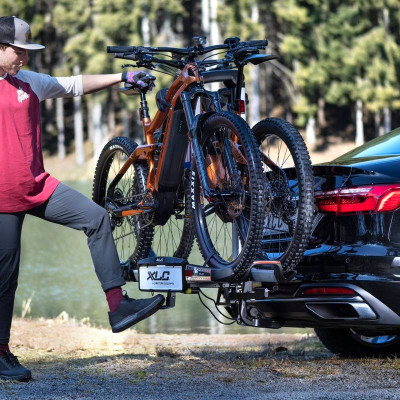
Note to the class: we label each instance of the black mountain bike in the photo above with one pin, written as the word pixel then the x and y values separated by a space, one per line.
pixel 286 161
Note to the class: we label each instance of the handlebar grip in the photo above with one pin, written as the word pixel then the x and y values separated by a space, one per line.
pixel 257 43
pixel 121 49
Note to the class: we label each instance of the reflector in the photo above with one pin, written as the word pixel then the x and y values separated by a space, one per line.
pixel 328 291
pixel 242 107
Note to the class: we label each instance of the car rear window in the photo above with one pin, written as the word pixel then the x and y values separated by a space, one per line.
pixel 386 145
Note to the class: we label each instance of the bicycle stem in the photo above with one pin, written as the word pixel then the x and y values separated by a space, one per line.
pixel 240 81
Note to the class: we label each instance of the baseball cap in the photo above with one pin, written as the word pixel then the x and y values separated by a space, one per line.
pixel 17 32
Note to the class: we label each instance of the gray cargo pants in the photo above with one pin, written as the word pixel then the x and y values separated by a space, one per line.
pixel 68 207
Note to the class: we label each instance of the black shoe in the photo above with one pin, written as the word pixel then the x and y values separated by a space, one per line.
pixel 131 311
pixel 11 369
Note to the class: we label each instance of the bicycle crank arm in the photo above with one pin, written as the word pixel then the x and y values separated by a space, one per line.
pixel 131 209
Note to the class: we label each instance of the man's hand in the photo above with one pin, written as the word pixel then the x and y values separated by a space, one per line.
pixel 139 79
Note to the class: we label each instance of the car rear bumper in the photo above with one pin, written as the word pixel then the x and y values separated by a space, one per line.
pixel 362 310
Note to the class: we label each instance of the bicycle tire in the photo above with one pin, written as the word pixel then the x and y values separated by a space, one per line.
pixel 132 240
pixel 213 218
pixel 176 237
pixel 142 245
pixel 289 247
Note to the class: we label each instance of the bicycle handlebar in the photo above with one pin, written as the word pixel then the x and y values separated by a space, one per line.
pixel 121 49
pixel 144 55
pixel 183 52
pixel 257 43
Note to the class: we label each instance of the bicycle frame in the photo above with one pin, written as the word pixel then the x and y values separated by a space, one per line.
pixel 181 89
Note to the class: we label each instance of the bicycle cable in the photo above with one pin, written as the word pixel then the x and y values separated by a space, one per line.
pixel 212 55
pixel 233 320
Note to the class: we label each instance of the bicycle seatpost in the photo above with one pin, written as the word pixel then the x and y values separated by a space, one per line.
pixel 144 108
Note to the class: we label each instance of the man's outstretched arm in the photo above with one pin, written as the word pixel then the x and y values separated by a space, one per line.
pixel 94 83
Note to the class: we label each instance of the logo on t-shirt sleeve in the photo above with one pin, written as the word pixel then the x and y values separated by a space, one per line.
pixel 22 95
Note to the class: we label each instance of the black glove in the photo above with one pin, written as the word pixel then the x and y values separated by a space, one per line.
pixel 141 79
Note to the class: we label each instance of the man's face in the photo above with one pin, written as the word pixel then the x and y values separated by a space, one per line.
pixel 12 59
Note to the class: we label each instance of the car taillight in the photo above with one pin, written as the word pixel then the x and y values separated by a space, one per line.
pixel 362 199
pixel 318 291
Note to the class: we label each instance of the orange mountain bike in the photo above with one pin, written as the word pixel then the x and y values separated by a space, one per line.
pixel 154 205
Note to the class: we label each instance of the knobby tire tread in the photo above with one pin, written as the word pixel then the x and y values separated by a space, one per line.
pixel 243 263
pixel 145 236
pixel 300 154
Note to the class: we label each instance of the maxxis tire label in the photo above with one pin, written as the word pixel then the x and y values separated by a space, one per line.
pixel 192 198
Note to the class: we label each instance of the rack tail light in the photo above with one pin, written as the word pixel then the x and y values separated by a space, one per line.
pixel 363 199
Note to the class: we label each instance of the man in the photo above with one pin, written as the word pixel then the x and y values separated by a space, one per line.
pixel 25 187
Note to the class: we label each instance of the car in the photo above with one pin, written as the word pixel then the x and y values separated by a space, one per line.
pixel 347 287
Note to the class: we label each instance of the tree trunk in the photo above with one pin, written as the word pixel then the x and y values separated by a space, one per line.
pixel 205 17
pixel 126 122
pixel 321 113
pixel 310 131
pixel 48 117
pixel 214 31
pixel 359 123
pixel 111 112
pixel 60 128
pixel 145 28
pixel 90 126
pixel 379 130
pixel 254 109
pixel 167 31
pixel 78 127
pixel 98 140
pixel 387 119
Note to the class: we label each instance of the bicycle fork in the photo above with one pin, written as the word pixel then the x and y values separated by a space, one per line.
pixel 194 121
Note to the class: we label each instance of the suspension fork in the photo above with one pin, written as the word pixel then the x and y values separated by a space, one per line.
pixel 193 124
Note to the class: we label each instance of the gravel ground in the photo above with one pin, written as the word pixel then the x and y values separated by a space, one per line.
pixel 72 361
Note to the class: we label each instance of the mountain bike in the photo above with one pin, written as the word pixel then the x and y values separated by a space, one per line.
pixel 154 206
pixel 285 158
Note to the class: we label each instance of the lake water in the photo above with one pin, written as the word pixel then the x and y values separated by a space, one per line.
pixel 57 275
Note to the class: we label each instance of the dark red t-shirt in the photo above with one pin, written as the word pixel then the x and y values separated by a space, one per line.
pixel 24 184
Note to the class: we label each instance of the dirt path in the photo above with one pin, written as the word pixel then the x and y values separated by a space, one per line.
pixel 70 361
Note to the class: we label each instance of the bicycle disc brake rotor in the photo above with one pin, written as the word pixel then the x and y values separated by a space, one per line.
pixel 282 205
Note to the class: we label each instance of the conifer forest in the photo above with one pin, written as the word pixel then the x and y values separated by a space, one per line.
pixel 338 72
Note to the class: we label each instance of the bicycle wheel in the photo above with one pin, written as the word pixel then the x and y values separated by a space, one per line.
pixel 290 209
pixel 132 234
pixel 175 238
pixel 235 173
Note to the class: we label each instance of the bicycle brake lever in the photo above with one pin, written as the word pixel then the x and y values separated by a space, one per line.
pixel 129 65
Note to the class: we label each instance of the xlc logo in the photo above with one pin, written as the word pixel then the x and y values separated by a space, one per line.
pixel 155 276
pixel 159 259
